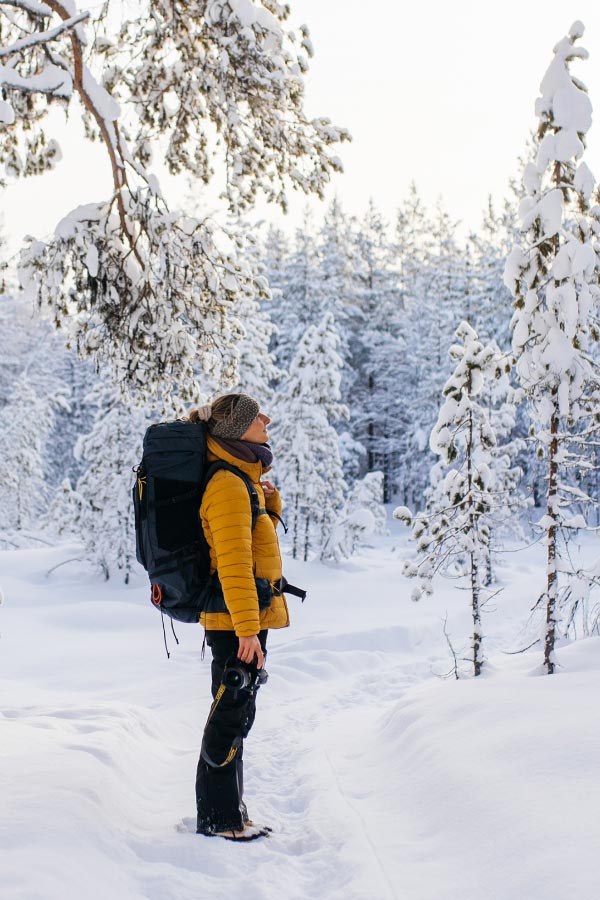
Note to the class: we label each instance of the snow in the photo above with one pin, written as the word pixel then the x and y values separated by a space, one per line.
pixel 584 181
pixel 105 105
pixel 572 109
pixel 87 212
pixel 380 780
pixel 531 179
pixel 92 260
pixel 548 210
pixel 403 514
pixel 7 113
pixel 51 80
pixel 516 261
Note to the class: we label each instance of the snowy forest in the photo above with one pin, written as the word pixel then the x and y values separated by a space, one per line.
pixel 345 331
pixel 434 396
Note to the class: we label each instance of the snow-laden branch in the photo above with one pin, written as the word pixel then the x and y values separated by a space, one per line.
pixel 217 80
pixel 39 10
pixel 53 80
pixel 43 37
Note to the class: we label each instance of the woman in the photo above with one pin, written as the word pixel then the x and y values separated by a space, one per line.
pixel 236 620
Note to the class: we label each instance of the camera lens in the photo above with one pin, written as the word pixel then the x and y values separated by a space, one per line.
pixel 235 678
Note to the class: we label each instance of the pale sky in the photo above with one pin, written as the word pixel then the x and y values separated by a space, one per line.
pixel 441 93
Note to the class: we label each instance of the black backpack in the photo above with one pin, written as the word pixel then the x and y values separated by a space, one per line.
pixel 170 542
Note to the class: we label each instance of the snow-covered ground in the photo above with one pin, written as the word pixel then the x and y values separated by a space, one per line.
pixel 380 779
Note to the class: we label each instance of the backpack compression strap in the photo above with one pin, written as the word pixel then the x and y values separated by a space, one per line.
pixel 215 467
pixel 256 511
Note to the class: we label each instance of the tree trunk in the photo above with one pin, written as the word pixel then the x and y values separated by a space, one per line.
pixel 489 572
pixel 551 501
pixel 370 429
pixel 306 536
pixel 477 630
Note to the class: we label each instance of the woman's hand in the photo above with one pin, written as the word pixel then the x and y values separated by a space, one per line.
pixel 249 648
pixel 268 488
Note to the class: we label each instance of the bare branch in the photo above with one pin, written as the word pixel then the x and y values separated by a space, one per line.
pixel 452 650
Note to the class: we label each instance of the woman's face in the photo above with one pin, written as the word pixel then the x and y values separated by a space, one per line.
pixel 257 432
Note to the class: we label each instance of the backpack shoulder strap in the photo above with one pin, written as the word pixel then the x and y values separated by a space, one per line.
pixel 220 464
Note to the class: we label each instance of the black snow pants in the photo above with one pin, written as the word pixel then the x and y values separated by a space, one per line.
pixel 220 774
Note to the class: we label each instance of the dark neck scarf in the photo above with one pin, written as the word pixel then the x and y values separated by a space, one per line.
pixel 246 450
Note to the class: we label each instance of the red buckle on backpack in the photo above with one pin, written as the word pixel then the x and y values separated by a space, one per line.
pixel 156 594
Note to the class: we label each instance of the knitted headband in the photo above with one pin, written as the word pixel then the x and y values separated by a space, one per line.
pixel 242 417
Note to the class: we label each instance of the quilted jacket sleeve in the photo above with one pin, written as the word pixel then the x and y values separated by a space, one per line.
pixel 227 522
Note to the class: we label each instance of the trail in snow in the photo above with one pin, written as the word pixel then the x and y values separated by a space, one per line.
pixel 380 781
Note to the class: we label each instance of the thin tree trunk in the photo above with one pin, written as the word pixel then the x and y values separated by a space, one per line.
pixel 552 498
pixel 306 533
pixel 489 572
pixel 477 630
pixel 370 429
pixel 296 515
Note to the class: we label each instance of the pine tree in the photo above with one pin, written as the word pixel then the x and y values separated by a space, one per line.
pixel 24 424
pixel 553 274
pixel 454 530
pixel 101 507
pixel 361 517
pixel 295 302
pixel 432 273
pixel 34 387
pixel 307 455
pixel 489 295
pixel 375 347
pixel 336 289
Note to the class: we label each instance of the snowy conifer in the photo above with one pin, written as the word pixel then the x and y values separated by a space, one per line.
pixel 102 507
pixel 307 454
pixel 453 533
pixel 25 422
pixel 336 286
pixel 431 271
pixel 375 346
pixel 553 274
pixel 488 295
pixel 293 277
pixel 361 518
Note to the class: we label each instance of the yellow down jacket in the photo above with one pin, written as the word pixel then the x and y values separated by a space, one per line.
pixel 238 553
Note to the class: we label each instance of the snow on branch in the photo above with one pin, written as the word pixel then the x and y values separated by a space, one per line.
pixel 208 81
pixel 43 36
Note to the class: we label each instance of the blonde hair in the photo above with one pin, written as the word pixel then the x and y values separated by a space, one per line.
pixel 221 410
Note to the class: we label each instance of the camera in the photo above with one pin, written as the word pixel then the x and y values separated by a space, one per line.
pixel 239 676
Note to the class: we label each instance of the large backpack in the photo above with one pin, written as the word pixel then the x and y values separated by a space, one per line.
pixel 170 542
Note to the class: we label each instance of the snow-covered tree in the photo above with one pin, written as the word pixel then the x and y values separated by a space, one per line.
pixel 507 483
pixel 293 277
pixel 196 84
pixel 307 456
pixel 361 518
pixel 430 267
pixel 553 274
pixel 453 533
pixel 25 421
pixel 337 265
pixel 375 347
pixel 336 286
pixel 101 504
pixel 488 296
pixel 257 372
